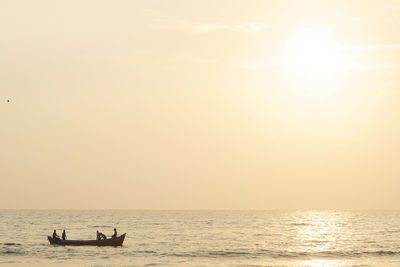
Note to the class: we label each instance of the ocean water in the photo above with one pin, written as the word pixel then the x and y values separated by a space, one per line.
pixel 204 238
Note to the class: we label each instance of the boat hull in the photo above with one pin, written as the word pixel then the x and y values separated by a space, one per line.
pixel 117 241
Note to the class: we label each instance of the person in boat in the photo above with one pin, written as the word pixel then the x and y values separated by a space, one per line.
pixel 102 236
pixel 98 235
pixel 115 233
pixel 55 236
pixel 64 235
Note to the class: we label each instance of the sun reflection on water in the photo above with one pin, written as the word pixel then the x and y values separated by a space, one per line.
pixel 323 263
pixel 321 231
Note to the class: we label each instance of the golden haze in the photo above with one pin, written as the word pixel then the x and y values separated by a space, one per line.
pixel 200 104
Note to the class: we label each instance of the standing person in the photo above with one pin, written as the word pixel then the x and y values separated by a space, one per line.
pixel 98 235
pixel 115 233
pixel 63 236
pixel 55 235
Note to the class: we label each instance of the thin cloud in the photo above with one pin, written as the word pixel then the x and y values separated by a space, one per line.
pixel 355 67
pixel 352 20
pixel 212 27
pixel 163 21
pixel 394 5
pixel 371 47
pixel 348 67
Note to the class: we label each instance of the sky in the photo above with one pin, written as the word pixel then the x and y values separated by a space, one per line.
pixel 199 104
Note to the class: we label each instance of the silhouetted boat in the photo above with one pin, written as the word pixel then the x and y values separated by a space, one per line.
pixel 117 241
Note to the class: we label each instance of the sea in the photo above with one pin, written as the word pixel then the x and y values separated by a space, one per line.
pixel 250 238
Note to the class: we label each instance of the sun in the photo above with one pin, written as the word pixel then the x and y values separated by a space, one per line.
pixel 311 53
pixel 316 77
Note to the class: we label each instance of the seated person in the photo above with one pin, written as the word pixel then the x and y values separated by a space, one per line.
pixel 103 236
pixel 115 233
pixel 55 236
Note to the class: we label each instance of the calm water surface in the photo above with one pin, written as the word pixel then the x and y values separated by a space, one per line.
pixel 204 238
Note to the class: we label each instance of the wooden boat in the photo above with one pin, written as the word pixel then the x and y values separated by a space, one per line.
pixel 117 241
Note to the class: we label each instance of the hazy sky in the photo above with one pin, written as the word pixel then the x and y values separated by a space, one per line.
pixel 200 104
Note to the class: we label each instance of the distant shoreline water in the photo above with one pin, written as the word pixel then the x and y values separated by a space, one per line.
pixel 204 238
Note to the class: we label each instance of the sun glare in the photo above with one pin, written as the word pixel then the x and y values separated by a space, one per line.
pixel 312 53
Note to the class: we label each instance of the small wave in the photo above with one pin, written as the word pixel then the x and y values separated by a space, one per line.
pixel 12 244
pixel 280 254
pixel 300 224
pixel 209 254
pixel 384 253
pixel 391 231
pixel 8 252
pixel 358 253
pixel 329 254
pixel 145 251
pixel 228 253
pixel 318 241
